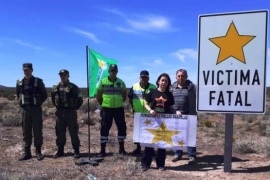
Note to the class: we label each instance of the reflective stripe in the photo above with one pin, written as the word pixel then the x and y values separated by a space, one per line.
pixel 112 96
pixel 103 137
pixel 22 99
pixel 137 96
pixel 121 137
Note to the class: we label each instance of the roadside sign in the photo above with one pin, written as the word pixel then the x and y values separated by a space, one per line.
pixel 232 62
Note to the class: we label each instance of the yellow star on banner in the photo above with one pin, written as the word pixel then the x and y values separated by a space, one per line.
pixel 231 45
pixel 181 143
pixel 163 134
pixel 147 122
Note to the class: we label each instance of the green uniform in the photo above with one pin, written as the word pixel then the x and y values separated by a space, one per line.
pixel 31 94
pixel 67 98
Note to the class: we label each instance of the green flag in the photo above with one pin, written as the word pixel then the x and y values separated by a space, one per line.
pixel 98 69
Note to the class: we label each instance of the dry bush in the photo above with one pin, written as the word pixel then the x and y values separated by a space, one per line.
pixel 93 118
pixel 202 117
pixel 10 113
pixel 207 123
pixel 48 103
pixel 245 146
pixel 127 106
pixel 93 105
pixel 10 119
pixel 48 112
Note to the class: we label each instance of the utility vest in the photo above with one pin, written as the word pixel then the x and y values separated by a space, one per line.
pixel 64 96
pixel 29 93
pixel 138 97
pixel 112 93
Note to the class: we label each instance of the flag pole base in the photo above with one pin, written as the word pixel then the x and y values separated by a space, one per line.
pixel 87 160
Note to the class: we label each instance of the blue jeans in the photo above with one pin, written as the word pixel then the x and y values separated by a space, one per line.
pixel 190 150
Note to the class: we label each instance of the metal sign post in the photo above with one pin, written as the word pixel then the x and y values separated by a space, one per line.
pixel 228 142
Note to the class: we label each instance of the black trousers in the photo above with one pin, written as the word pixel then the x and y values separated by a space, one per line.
pixel 108 114
pixel 67 118
pixel 32 121
pixel 148 155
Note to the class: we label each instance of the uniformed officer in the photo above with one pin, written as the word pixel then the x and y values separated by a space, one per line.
pixel 31 93
pixel 67 99
pixel 136 98
pixel 111 93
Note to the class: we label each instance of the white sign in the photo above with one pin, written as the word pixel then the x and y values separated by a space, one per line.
pixel 232 62
pixel 167 131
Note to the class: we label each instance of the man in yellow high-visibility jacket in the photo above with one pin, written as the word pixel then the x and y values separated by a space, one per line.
pixel 111 93
pixel 136 98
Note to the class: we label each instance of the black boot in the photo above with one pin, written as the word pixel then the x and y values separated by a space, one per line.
pixel 26 155
pixel 103 150
pixel 137 151
pixel 60 152
pixel 38 153
pixel 122 148
pixel 76 153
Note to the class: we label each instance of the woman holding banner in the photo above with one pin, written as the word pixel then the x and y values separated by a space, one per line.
pixel 160 101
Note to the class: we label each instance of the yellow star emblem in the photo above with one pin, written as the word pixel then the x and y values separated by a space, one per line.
pixel 231 45
pixel 147 122
pixel 181 143
pixel 163 134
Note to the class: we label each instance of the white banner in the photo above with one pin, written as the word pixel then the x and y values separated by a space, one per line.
pixel 165 131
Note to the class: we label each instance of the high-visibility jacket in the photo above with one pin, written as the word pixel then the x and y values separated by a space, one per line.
pixel 112 92
pixel 138 97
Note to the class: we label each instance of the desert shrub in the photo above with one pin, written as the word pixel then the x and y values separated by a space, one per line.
pixel 3 103
pixel 10 119
pixel 93 118
pixel 93 105
pixel 266 147
pixel 245 146
pixel 10 113
pixel 207 123
pixel 48 103
pixel 127 106
pixel 48 112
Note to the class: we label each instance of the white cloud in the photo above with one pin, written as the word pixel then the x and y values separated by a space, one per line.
pixel 88 35
pixel 150 23
pixel 27 44
pixel 125 30
pixel 158 62
pixel 154 63
pixel 114 11
pixel 141 23
pixel 183 54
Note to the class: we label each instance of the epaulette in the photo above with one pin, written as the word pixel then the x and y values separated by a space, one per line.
pixel 55 87
pixel 20 81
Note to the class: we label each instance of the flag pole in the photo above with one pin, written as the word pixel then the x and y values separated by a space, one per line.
pixel 88 160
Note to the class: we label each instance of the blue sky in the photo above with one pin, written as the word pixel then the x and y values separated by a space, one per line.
pixel 159 36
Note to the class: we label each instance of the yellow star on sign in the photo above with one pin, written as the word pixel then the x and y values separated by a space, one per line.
pixel 231 45
pixel 181 143
pixel 147 122
pixel 163 134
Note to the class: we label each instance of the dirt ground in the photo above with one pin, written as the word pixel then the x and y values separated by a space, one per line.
pixel 114 166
